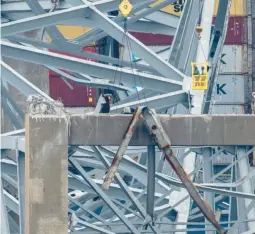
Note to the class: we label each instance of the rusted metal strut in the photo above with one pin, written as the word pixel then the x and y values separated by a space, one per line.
pixel 122 148
pixel 163 142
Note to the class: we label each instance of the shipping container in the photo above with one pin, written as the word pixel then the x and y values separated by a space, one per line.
pixel 237 30
pixel 233 60
pixel 71 32
pixel 151 39
pixel 174 8
pixel 230 89
pixel 236 34
pixel 79 96
pixel 227 109
pixel 237 8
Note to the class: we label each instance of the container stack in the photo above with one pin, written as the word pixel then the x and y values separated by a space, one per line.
pixel 72 94
pixel 231 93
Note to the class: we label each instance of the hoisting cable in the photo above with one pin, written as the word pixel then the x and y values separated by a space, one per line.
pixel 125 8
pixel 139 78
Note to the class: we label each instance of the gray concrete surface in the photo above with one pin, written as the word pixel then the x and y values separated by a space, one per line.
pixel 46 176
pixel 183 130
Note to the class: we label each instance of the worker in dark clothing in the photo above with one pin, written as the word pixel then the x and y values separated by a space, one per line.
pixel 105 107
pixel 203 71
pixel 196 71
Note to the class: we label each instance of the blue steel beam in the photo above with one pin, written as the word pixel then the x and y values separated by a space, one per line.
pixel 135 45
pixel 74 49
pixel 156 102
pixel 14 105
pixel 57 17
pixel 99 191
pixel 11 143
pixel 5 228
pixel 12 115
pixel 21 182
pixel 96 83
pixel 103 71
pixel 97 34
pixel 125 188
pixel 19 82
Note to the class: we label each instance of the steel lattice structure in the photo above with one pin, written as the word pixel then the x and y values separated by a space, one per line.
pixel 166 88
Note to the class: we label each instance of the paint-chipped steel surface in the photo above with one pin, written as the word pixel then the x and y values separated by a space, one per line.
pixel 122 148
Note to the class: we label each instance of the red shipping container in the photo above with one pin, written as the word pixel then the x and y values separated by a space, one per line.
pixel 236 34
pixel 80 95
pixel 237 30
pixel 151 39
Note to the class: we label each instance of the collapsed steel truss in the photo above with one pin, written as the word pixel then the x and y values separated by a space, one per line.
pixel 165 85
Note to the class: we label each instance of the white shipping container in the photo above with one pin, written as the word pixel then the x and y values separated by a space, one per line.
pixel 227 109
pixel 230 89
pixel 234 59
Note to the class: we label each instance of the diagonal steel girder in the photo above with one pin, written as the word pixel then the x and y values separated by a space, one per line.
pixel 22 6
pixel 56 36
pixel 164 18
pixel 185 41
pixel 109 26
pixel 98 190
pixel 54 18
pixel 141 50
pixel 96 83
pixel 12 115
pixel 19 82
pixel 72 47
pixel 186 37
pixel 157 102
pixel 97 34
pixel 103 71
pixel 125 188
pixel 11 143
pixel 17 109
